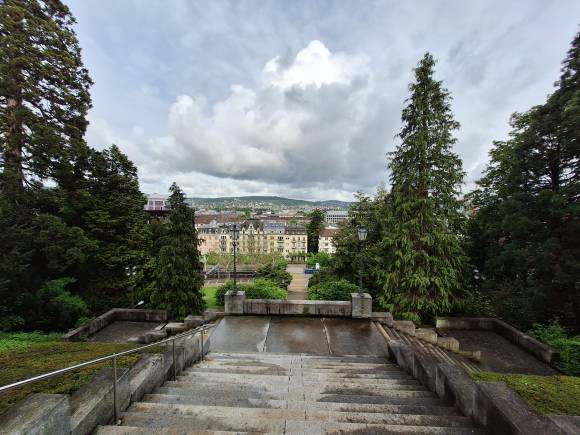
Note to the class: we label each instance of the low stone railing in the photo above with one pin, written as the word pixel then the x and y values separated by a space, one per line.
pixel 539 350
pixel 359 307
pixel 113 315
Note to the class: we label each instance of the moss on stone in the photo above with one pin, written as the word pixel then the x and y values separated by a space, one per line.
pixel 545 394
pixel 35 358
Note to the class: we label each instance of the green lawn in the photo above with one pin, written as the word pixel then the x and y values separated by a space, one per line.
pixel 545 394
pixel 23 355
pixel 209 297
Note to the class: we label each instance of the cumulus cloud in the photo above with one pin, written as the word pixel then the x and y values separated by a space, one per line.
pixel 301 124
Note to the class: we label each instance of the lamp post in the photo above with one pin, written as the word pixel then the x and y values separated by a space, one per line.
pixel 235 230
pixel 362 236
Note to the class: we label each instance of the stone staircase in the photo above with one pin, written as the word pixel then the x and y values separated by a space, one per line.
pixel 293 394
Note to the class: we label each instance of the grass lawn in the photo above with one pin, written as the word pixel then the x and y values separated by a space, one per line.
pixel 545 394
pixel 209 297
pixel 23 355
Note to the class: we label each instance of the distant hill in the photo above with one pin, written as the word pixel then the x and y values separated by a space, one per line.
pixel 247 201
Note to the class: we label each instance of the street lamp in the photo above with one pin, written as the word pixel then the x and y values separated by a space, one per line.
pixel 235 230
pixel 362 236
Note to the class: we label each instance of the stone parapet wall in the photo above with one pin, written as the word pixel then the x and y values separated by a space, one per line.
pixel 492 405
pixel 237 304
pixel 529 344
pixel 115 314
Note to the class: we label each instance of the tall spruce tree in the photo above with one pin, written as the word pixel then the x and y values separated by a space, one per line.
pixel 313 229
pixel 525 238
pixel 179 269
pixel 424 255
pixel 44 93
pixel 112 216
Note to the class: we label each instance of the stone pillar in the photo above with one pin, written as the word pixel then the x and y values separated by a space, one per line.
pixel 362 305
pixel 234 302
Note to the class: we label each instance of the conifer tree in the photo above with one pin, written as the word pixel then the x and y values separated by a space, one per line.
pixel 525 238
pixel 44 93
pixel 313 229
pixel 114 218
pixel 179 269
pixel 424 255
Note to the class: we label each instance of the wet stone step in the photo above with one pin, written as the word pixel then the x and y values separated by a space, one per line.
pixel 289 404
pixel 235 413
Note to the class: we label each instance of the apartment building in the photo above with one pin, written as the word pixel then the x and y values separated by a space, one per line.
pixel 325 240
pixel 335 216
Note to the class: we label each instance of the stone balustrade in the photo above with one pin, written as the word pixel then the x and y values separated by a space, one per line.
pixel 360 306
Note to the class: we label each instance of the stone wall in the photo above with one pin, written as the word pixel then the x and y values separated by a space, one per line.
pixel 492 405
pixel 530 344
pixel 92 404
pixel 237 304
pixel 111 316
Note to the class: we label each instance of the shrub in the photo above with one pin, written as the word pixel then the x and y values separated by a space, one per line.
pixel 323 259
pixel 554 335
pixel 260 289
pixel 339 290
pixel 52 307
pixel 276 273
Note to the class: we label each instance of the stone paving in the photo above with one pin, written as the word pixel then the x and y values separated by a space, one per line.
pixel 298 288
pixel 121 331
pixel 309 335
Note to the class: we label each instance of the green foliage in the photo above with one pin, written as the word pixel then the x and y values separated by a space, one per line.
pixel 44 91
pixel 209 296
pixel 259 289
pixel 554 335
pixel 179 270
pixel 276 273
pixel 339 290
pixel 313 229
pixel 545 394
pixel 525 237
pixel 423 253
pixel 324 259
pixel 22 340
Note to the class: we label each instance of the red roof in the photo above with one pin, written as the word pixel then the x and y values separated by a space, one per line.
pixel 328 232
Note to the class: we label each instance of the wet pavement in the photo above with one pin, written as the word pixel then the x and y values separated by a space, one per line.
pixel 310 335
pixel 121 331
pixel 498 354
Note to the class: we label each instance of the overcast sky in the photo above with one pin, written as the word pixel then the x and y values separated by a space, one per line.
pixel 303 98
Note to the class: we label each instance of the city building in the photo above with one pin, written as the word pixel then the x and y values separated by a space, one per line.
pixel 336 216
pixel 325 240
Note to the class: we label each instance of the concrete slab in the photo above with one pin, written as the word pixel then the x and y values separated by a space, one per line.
pixel 297 335
pixel 240 334
pixel 121 331
pixel 354 337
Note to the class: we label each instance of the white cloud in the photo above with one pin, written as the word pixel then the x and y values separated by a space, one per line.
pixel 301 125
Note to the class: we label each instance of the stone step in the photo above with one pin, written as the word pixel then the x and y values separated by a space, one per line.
pixel 296 393
pixel 295 404
pixel 134 430
pixel 303 374
pixel 186 424
pixel 419 398
pixel 263 364
pixel 306 387
pixel 269 356
pixel 235 416
pixel 338 369
pixel 327 428
pixel 227 378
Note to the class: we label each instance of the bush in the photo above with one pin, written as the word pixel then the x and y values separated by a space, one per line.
pixel 276 273
pixel 260 289
pixel 554 335
pixel 52 307
pixel 323 259
pixel 339 290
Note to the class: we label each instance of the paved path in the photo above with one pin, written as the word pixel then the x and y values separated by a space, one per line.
pixel 309 335
pixel 298 288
